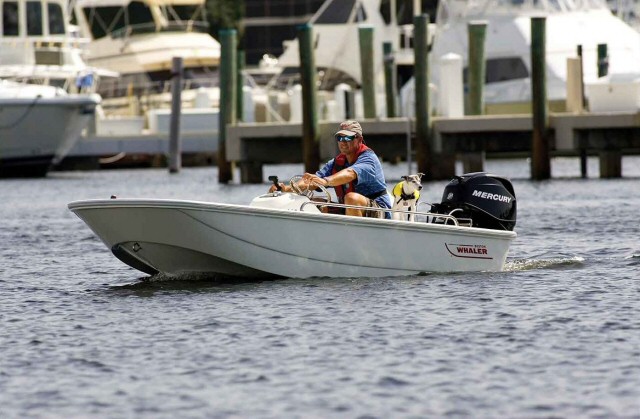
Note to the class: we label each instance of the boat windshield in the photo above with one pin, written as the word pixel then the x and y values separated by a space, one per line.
pixel 37 22
pixel 335 12
pixel 450 11
pixel 138 17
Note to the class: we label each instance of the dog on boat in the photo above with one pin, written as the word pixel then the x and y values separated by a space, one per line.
pixel 406 194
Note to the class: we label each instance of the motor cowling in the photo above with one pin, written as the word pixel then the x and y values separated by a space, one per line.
pixel 489 201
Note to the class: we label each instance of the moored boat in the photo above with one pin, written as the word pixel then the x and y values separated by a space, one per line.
pixel 286 235
pixel 38 126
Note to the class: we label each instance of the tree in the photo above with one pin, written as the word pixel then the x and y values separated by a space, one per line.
pixel 225 14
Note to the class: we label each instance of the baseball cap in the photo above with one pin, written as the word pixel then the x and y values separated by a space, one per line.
pixel 350 128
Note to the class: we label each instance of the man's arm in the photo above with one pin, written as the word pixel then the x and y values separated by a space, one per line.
pixel 343 176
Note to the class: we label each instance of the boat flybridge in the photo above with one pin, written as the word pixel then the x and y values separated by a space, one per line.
pixel 569 23
pixel 288 235
pixel 37 45
pixel 337 50
pixel 139 38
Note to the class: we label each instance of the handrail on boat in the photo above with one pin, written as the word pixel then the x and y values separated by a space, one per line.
pixel 428 214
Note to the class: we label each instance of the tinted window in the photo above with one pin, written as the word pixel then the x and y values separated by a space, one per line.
pixel 185 13
pixel 100 18
pixel 56 19
pixel 503 69
pixel 361 15
pixel 10 18
pixel 139 13
pixel 338 11
pixel 385 10
pixel 34 18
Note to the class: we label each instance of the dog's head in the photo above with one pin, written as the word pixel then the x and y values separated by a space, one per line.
pixel 409 187
pixel 412 183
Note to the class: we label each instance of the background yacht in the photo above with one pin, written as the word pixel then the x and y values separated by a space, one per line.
pixel 39 61
pixel 508 41
pixel 38 126
pixel 139 39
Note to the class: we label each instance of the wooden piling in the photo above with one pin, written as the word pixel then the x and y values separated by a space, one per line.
pixel 308 76
pixel 421 77
pixel 477 33
pixel 240 85
pixel 610 164
pixel 367 65
pixel 540 157
pixel 175 155
pixel 227 99
pixel 583 151
pixel 574 100
pixel 389 78
pixel 476 67
pixel 603 60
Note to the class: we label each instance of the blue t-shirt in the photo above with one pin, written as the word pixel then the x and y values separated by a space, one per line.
pixel 370 177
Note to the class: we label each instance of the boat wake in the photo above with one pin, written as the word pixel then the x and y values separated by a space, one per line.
pixel 553 263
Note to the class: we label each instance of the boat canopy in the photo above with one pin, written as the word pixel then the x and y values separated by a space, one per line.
pixel 123 3
pixel 461 10
pixel 123 18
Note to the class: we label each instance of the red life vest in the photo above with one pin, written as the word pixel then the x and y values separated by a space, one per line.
pixel 341 162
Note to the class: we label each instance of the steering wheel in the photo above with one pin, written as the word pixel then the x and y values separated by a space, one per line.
pixel 307 191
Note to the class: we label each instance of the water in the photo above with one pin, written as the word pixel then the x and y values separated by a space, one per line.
pixel 556 335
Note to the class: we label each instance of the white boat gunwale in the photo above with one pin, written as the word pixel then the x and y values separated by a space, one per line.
pixel 281 213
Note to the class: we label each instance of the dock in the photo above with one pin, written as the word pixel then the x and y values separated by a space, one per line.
pixel 469 139
pixel 139 150
pixel 609 135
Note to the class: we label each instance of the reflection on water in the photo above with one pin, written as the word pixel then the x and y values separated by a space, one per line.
pixel 150 285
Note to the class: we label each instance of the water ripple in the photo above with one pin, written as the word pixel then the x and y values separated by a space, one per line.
pixel 555 335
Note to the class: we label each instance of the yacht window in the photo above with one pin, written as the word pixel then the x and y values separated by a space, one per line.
pixel 503 69
pixel 184 13
pixel 336 11
pixel 385 10
pixel 56 19
pixel 10 18
pixel 117 21
pixel 301 8
pixel 405 12
pixel 140 16
pixel 361 15
pixel 34 18
pixel 104 20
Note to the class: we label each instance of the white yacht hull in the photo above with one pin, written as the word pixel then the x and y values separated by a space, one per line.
pixel 182 237
pixel 37 132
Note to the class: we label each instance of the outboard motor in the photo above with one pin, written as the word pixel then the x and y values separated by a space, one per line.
pixel 487 200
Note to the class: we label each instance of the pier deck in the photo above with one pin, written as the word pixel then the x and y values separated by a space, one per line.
pixel 609 135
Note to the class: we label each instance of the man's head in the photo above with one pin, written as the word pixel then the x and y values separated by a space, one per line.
pixel 350 128
pixel 349 136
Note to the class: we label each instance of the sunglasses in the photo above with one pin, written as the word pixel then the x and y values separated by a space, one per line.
pixel 341 137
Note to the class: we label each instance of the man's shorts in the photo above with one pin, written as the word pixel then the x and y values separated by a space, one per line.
pixel 373 213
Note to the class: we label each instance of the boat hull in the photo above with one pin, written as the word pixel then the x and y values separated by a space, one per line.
pixel 183 237
pixel 38 132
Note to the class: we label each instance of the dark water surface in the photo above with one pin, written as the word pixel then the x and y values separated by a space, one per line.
pixel 556 335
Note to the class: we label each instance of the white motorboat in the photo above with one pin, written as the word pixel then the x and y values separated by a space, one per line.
pixel 508 43
pixel 139 39
pixel 38 126
pixel 286 235
pixel 38 46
